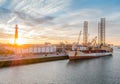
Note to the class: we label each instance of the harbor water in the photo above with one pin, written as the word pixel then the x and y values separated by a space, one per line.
pixel 104 70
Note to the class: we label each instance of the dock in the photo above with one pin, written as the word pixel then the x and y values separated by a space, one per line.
pixel 23 60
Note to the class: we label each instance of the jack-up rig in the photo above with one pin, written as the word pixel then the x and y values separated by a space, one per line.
pixel 91 49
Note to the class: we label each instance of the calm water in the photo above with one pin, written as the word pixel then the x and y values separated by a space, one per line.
pixel 105 70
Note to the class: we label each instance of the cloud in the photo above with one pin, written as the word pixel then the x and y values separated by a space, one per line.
pixel 35 8
pixel 71 23
pixel 53 19
pixel 11 20
pixel 114 17
pixel 6 35
pixel 31 11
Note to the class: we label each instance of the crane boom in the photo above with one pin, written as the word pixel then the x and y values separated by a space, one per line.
pixel 93 41
pixel 79 37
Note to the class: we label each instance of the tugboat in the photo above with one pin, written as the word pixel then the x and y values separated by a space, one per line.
pixel 91 49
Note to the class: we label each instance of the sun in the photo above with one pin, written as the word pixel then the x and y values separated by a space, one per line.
pixel 19 41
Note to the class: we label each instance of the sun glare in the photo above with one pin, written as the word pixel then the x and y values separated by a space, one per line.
pixel 19 41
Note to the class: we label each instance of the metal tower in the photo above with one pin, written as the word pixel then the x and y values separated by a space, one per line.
pixel 85 33
pixel 16 35
pixel 101 31
pixel 99 34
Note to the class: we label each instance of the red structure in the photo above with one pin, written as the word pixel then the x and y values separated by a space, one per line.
pixel 16 35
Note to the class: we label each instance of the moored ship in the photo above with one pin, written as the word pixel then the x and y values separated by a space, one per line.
pixel 86 53
pixel 91 49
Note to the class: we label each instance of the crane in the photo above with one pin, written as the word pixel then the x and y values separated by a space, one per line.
pixel 93 42
pixel 79 37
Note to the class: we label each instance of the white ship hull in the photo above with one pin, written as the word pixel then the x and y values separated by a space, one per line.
pixel 74 55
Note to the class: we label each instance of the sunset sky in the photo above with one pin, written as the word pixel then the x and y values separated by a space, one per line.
pixel 57 21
